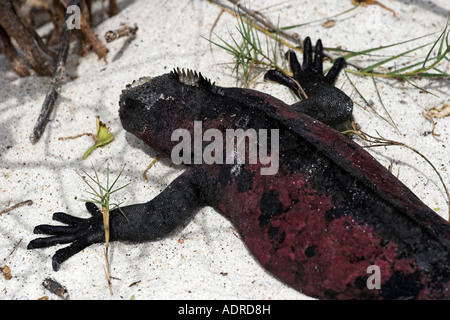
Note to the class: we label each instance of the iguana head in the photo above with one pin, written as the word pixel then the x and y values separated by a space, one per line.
pixel 152 108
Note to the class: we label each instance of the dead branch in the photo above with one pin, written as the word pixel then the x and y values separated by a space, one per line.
pixel 58 78
pixel 28 52
pixel 27 202
pixel 14 28
pixel 87 38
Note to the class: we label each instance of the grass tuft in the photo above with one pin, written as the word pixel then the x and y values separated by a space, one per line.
pixel 250 57
pixel 102 197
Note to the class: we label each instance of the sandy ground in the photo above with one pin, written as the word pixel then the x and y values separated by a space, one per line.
pixel 206 259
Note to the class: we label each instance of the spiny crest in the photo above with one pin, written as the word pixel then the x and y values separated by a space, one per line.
pixel 192 78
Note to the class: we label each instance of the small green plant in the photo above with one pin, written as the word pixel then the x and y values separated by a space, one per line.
pixel 102 197
pixel 102 138
pixel 251 58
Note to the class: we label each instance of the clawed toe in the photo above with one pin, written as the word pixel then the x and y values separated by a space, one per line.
pixel 307 54
pixel 295 66
pixel 283 79
pixel 318 57
pixel 65 253
pixel 66 218
pixel 53 230
pixel 338 65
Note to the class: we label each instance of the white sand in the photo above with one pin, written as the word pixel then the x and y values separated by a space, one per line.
pixel 212 262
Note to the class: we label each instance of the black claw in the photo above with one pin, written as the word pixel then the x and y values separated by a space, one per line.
pixel 65 253
pixel 93 209
pixel 295 66
pixel 338 65
pixel 52 240
pixel 55 265
pixel 280 77
pixel 307 54
pixel 38 243
pixel 66 218
pixel 318 57
pixel 41 229
pixel 52 230
pixel 32 245
pixel 283 79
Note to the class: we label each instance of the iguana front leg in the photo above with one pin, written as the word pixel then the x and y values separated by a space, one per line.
pixel 320 98
pixel 137 223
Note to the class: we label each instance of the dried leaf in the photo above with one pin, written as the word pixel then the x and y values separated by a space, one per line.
pixel 329 24
pixel 6 272
pixel 441 112
pixel 436 112
pixel 123 31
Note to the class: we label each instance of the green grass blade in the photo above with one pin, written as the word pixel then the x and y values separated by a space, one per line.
pixel 382 62
pixel 384 107
pixel 442 35
pixel 363 98
pixel 364 52
pixel 417 87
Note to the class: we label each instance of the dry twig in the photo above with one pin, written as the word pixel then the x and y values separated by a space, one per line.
pixel 58 78
pixel 28 202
